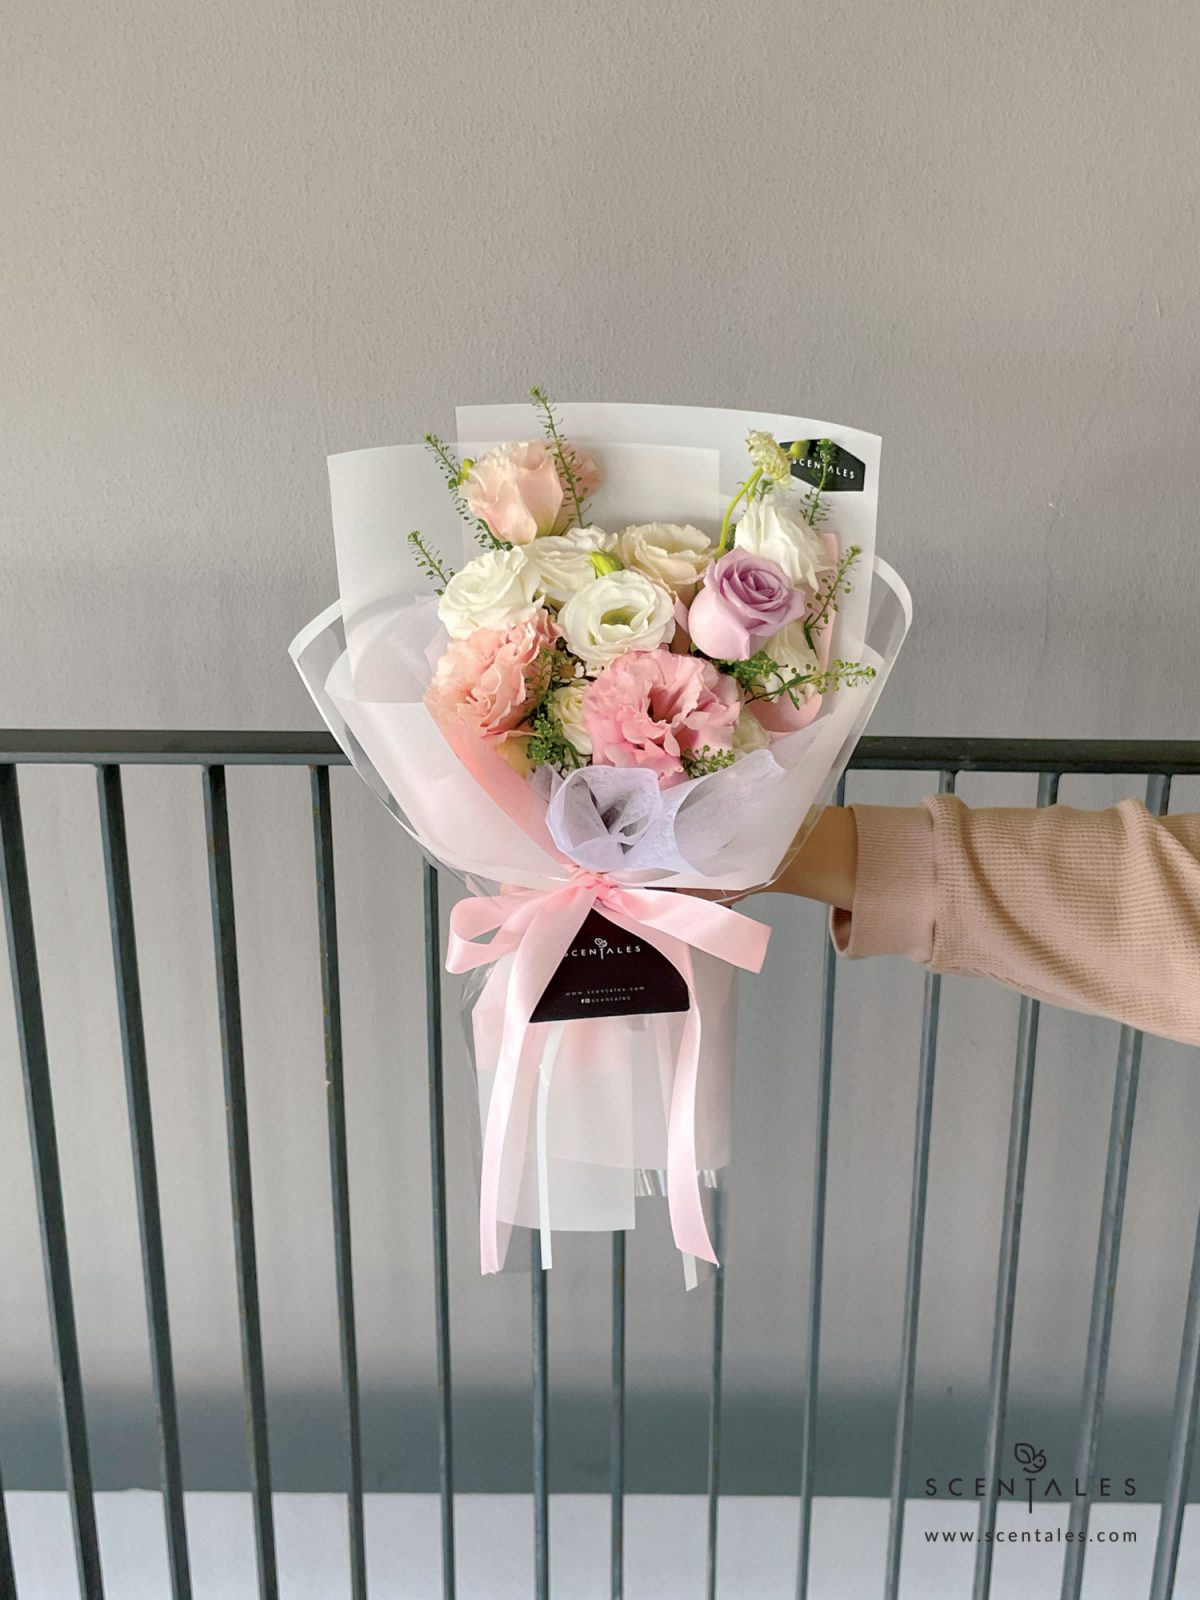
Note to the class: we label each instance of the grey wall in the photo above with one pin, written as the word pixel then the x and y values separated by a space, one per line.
pixel 237 237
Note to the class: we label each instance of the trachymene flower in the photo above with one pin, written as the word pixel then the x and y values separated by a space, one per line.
pixel 671 553
pixel 491 680
pixel 774 527
pixel 619 611
pixel 768 455
pixel 517 490
pixel 561 563
pixel 648 707
pixel 493 591
pixel 744 599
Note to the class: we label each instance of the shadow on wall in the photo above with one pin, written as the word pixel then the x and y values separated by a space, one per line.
pixel 666 1444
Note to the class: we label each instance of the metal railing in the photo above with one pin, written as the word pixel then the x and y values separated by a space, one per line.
pixel 211 753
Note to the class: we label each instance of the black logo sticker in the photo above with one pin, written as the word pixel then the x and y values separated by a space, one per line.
pixel 610 973
pixel 843 474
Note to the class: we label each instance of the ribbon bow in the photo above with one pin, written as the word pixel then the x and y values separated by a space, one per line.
pixel 536 927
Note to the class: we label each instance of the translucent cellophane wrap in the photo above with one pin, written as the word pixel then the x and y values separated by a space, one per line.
pixel 590 1113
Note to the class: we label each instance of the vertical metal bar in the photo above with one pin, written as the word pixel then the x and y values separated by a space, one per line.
pixel 1006 1273
pixel 220 881
pixel 541 1396
pixel 1104 1285
pixel 8 1576
pixel 912 1279
pixel 145 1167
pixel 715 1393
pixel 616 1445
pixel 816 1269
pixel 39 1108
pixel 339 1167
pixel 1183 1440
pixel 441 1273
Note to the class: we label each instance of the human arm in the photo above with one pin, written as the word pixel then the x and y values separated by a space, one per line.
pixel 1096 911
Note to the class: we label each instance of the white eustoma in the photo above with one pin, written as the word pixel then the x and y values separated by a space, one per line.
pixel 567 704
pixel 561 563
pixel 620 611
pixel 493 591
pixel 775 528
pixel 591 538
pixel 749 734
pixel 671 553
pixel 791 650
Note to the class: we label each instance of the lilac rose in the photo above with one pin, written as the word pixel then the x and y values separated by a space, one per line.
pixel 745 598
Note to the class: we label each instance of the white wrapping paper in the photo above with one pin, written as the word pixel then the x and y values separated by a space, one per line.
pixel 591 1123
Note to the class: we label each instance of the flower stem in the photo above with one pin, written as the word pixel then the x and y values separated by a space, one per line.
pixel 744 490
pixel 563 455
pixel 825 456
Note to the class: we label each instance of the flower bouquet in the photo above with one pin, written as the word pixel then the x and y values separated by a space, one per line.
pixel 626 657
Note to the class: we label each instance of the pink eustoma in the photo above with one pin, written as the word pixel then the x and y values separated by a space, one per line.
pixel 648 707
pixel 489 680
pixel 517 490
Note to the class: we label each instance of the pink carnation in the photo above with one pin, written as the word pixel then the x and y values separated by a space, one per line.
pixel 649 706
pixel 488 680
pixel 517 491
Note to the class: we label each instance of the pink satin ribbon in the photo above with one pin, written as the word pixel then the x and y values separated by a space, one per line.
pixel 536 927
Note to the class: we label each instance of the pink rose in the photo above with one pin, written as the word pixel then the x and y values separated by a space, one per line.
pixel 517 491
pixel 744 600
pixel 490 679
pixel 649 706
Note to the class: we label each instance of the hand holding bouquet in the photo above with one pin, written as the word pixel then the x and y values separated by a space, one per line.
pixel 592 708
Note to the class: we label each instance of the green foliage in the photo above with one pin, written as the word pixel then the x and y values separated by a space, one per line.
pixel 451 468
pixel 837 675
pixel 829 592
pixel 549 745
pixel 751 489
pixel 761 677
pixel 815 509
pixel 454 473
pixel 430 562
pixel 699 763
pixel 750 674
pixel 564 453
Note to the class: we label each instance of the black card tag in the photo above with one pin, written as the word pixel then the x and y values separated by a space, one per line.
pixel 610 973
pixel 846 472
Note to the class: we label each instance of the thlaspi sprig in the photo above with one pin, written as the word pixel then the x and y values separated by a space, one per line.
pixel 430 561
pixel 814 508
pixel 548 744
pixel 826 600
pixel 699 763
pixel 796 685
pixel 761 677
pixel 564 454
pixel 454 473
pixel 750 673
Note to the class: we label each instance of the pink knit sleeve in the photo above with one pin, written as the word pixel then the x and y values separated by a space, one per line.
pixel 1094 910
